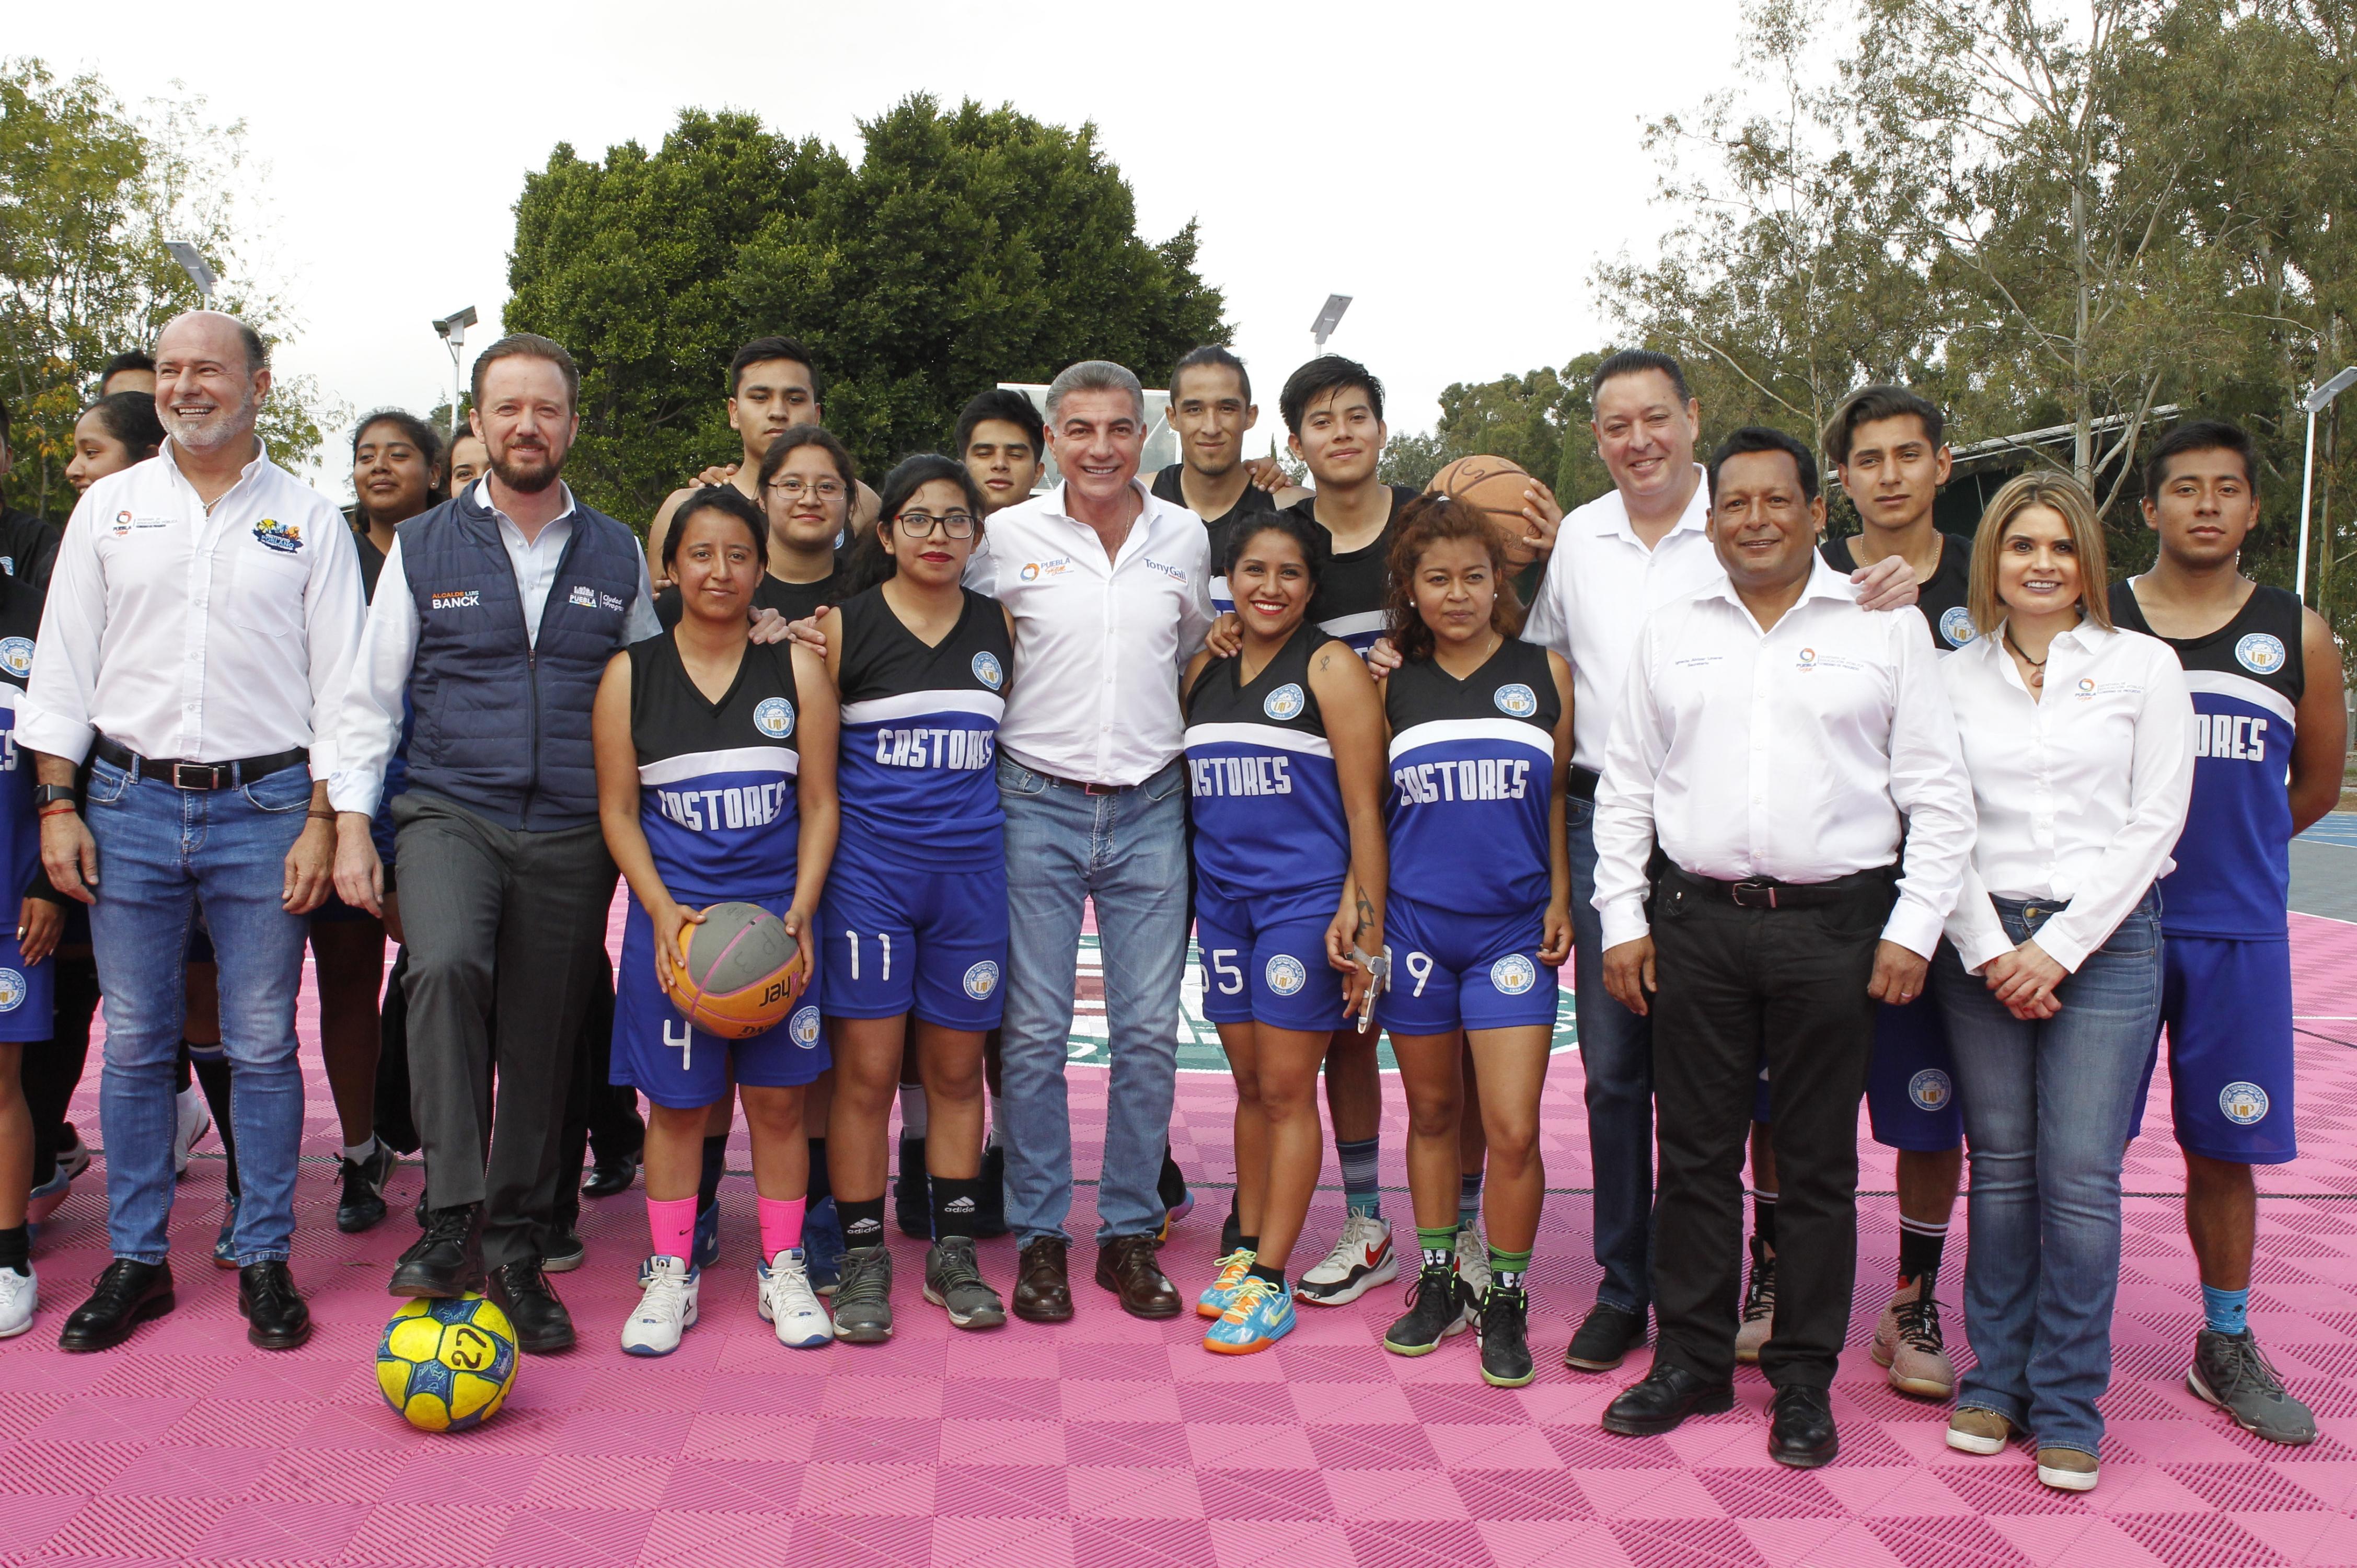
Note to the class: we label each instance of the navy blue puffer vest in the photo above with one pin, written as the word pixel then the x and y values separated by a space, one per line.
pixel 504 722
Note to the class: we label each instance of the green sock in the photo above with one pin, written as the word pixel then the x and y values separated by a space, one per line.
pixel 1439 1246
pixel 1507 1269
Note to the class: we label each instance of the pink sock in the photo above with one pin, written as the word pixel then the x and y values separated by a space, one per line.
pixel 672 1222
pixel 781 1224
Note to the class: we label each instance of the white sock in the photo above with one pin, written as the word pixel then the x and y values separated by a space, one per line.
pixel 913 1119
pixel 356 1152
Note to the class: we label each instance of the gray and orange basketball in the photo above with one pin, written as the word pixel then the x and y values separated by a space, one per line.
pixel 735 982
pixel 1495 485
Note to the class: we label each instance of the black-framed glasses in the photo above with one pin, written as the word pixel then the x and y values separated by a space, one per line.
pixel 920 524
pixel 792 489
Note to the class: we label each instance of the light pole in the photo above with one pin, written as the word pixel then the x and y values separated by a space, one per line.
pixel 453 330
pixel 1330 316
pixel 2317 401
pixel 193 262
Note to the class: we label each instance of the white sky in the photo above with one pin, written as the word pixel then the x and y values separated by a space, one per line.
pixel 1459 168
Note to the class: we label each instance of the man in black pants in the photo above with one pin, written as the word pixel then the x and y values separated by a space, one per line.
pixel 1784 779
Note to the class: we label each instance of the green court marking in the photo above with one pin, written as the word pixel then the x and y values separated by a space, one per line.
pixel 1199 1042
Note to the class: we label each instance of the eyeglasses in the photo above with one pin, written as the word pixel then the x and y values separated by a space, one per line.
pixel 792 489
pixel 920 524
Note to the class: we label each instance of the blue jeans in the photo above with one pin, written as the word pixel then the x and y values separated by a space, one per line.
pixel 162 853
pixel 1616 1053
pixel 1126 850
pixel 2046 1110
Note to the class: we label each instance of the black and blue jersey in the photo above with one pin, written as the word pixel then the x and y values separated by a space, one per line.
pixel 1945 597
pixel 716 780
pixel 1472 766
pixel 921 736
pixel 1266 803
pixel 1353 584
pixel 2234 861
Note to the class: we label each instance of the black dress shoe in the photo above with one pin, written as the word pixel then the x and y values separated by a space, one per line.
pixel 445 1263
pixel 362 1206
pixel 1127 1267
pixel 563 1253
pixel 127 1294
pixel 610 1178
pixel 1801 1429
pixel 275 1315
pixel 542 1325
pixel 1043 1286
pixel 1666 1398
pixel 1605 1339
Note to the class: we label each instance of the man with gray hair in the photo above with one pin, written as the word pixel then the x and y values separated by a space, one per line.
pixel 1109 588
pixel 203 617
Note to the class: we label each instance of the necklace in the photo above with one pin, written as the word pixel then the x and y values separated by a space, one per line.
pixel 2037 666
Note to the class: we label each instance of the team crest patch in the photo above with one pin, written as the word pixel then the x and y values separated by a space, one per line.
pixel 457 601
pixel 16 656
pixel 774 718
pixel 987 670
pixel 2261 654
pixel 1287 701
pixel 284 537
pixel 1516 701
pixel 803 1027
pixel 1956 627
pixel 1513 974
pixel 2241 1103
pixel 982 980
pixel 1285 975
pixel 12 990
pixel 1931 1088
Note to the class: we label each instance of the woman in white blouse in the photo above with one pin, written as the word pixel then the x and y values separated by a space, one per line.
pixel 2079 740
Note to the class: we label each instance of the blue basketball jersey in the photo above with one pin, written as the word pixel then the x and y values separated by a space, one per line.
pixel 921 736
pixel 2234 861
pixel 1266 805
pixel 716 779
pixel 1472 762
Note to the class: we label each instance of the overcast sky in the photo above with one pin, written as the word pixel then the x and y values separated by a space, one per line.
pixel 1457 168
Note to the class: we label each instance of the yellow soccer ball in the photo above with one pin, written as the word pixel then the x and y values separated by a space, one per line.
pixel 447 1365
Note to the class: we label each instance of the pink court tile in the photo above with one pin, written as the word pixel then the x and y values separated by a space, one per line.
pixel 1110 1441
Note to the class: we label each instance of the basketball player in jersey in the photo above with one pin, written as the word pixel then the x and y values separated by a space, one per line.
pixel 2269 733
pixel 716 783
pixel 805 484
pixel 1284 761
pixel 915 921
pixel 1211 411
pixel 1886 445
pixel 1481 739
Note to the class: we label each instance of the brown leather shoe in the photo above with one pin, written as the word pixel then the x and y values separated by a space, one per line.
pixel 1125 1266
pixel 1043 1287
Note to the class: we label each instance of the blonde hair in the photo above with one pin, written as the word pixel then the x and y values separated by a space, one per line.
pixel 2068 499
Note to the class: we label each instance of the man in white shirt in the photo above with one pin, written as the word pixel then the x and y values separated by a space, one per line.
pixel 495 615
pixel 1774 749
pixel 203 615
pixel 1108 586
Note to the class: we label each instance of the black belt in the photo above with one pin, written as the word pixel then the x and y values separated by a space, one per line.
pixel 1085 787
pixel 1767 893
pixel 196 775
pixel 1584 781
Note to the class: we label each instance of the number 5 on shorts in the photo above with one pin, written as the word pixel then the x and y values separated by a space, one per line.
pixel 1230 975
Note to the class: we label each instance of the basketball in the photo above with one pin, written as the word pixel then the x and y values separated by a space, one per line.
pixel 1495 487
pixel 735 984
pixel 446 1366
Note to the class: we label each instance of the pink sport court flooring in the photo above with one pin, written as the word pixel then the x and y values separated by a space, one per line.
pixel 1109 1441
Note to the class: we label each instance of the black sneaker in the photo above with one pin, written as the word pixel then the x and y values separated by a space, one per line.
pixel 1505 1331
pixel 2229 1371
pixel 565 1253
pixel 863 1298
pixel 912 1192
pixel 1434 1314
pixel 362 1206
pixel 1605 1339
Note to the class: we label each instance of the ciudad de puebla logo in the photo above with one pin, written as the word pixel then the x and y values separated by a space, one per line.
pixel 1517 700
pixel 2261 654
pixel 1285 702
pixel 987 670
pixel 774 718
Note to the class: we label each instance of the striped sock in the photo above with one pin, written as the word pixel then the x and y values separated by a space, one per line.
pixel 1439 1247
pixel 1507 1269
pixel 1362 1193
pixel 1921 1244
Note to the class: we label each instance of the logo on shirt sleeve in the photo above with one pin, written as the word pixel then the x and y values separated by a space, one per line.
pixel 16 656
pixel 286 538
pixel 1287 701
pixel 987 670
pixel 1956 627
pixel 2262 654
pixel 774 718
pixel 1516 701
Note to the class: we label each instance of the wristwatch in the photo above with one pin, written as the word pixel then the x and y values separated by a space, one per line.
pixel 50 794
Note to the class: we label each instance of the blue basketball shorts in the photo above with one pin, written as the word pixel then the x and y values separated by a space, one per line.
pixel 1262 970
pixel 27 990
pixel 897 940
pixel 2225 1006
pixel 1474 972
pixel 658 1052
pixel 1911 1092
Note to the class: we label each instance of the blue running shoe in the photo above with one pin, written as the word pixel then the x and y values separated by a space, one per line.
pixel 707 1236
pixel 1260 1316
pixel 822 1245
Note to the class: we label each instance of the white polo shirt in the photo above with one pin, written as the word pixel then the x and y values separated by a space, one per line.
pixel 193 635
pixel 1099 644
pixel 1601 585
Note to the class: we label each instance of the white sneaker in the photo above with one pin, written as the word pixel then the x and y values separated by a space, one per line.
pixel 20 1296
pixel 1472 1270
pixel 666 1309
pixel 788 1301
pixel 1362 1259
pixel 196 1121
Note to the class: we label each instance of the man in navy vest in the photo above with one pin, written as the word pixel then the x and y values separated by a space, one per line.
pixel 495 615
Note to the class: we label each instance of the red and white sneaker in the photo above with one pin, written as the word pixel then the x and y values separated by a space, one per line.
pixel 1362 1259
